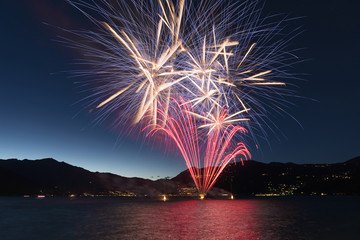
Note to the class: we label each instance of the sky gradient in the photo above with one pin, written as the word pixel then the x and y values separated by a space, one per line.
pixel 40 116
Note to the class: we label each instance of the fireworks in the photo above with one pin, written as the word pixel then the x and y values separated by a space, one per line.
pixel 204 166
pixel 203 72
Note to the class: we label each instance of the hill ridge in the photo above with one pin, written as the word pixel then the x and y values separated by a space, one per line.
pixel 52 177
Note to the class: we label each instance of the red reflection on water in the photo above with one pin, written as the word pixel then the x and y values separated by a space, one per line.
pixel 252 219
pixel 214 219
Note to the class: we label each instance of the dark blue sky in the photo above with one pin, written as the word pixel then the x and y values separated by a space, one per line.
pixel 39 114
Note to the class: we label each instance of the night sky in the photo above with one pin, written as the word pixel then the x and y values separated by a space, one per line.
pixel 40 116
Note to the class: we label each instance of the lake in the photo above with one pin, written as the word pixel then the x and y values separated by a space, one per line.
pixel 325 217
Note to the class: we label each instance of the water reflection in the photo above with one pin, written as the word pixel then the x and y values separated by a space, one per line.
pixel 90 219
pixel 209 219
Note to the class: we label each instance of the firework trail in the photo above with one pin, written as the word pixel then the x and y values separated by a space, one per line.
pixel 204 166
pixel 201 71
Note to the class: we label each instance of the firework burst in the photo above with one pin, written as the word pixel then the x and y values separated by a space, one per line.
pixel 203 72
pixel 204 164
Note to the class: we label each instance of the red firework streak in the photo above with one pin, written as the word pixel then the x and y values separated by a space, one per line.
pixel 180 125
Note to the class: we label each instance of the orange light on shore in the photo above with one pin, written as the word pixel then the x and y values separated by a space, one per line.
pixel 165 198
pixel 202 196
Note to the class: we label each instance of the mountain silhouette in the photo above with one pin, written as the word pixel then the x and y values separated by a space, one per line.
pixel 51 177
pixel 287 178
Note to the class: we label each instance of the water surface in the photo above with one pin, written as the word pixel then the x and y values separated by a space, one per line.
pixel 114 218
